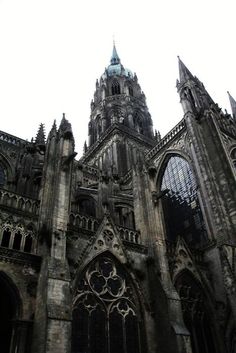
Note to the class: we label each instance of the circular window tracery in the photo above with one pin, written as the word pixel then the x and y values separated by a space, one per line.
pixel 105 310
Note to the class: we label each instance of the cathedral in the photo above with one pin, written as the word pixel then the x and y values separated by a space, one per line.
pixel 132 247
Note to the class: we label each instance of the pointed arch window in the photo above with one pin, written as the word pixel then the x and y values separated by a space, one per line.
pixel 17 241
pixel 233 156
pixel 6 236
pixel 2 176
pixel 28 243
pixel 196 313
pixel 105 315
pixel 87 206
pixel 131 92
pixel 115 87
pixel 182 212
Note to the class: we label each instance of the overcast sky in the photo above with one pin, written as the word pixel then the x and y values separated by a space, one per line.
pixel 52 52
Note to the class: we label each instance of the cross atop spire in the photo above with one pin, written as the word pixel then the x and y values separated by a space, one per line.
pixel 114 58
pixel 184 73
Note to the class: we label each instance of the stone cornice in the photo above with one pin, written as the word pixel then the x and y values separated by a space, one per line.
pixel 112 130
pixel 168 138
pixel 19 258
pixel 13 140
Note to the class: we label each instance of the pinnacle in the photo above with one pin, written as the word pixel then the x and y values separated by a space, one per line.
pixel 40 138
pixel 184 73
pixel 53 130
pixel 114 58
pixel 65 127
pixel 64 122
pixel 233 104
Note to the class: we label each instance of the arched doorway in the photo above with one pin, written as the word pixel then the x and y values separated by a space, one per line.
pixel 8 312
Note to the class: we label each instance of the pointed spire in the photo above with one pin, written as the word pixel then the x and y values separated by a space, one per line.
pixel 114 58
pixel 40 138
pixel 85 147
pixel 53 130
pixel 65 127
pixel 184 73
pixel 233 105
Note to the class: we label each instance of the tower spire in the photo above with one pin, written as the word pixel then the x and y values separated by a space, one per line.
pixel 114 58
pixel 193 94
pixel 233 105
pixel 184 73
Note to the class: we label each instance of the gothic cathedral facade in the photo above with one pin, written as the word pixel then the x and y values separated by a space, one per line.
pixel 132 247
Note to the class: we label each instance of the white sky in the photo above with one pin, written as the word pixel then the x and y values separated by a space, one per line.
pixel 52 51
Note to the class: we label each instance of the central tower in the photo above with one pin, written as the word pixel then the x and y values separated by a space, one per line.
pixel 120 124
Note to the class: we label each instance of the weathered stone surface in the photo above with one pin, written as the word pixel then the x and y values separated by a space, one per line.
pixel 95 237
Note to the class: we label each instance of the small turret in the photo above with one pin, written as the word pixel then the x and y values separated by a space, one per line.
pixel 65 129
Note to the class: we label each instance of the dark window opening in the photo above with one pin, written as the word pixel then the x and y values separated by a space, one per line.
pixel 28 243
pixel 131 92
pixel 2 176
pixel 87 207
pixel 233 154
pixel 125 217
pixel 17 241
pixel 182 213
pixel 190 97
pixel 115 88
pixel 7 310
pixel 195 313
pixel 6 238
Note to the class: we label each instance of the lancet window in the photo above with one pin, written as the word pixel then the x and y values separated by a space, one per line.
pixel 17 237
pixel 2 176
pixel 115 88
pixel 195 313
pixel 182 212
pixel 233 157
pixel 131 92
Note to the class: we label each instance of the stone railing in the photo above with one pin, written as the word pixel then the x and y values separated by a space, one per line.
pixel 12 139
pixel 166 139
pixel 10 199
pixel 91 224
pixel 129 235
pixel 91 170
pixel 84 222
pixel 17 237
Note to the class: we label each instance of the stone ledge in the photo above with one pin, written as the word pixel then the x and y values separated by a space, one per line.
pixel 19 258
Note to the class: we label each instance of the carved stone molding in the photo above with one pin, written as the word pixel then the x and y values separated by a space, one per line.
pixel 19 258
